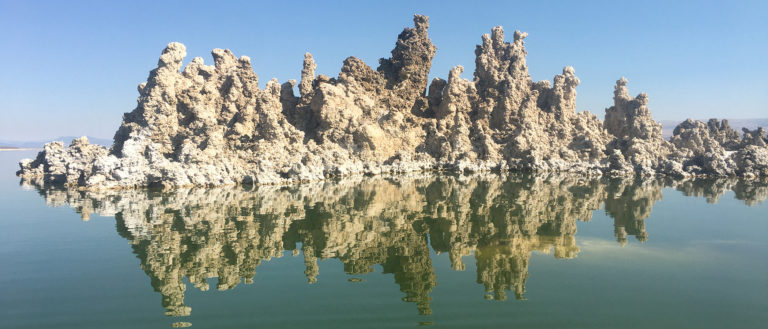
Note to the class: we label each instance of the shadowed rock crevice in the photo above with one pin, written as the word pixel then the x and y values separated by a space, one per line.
pixel 214 125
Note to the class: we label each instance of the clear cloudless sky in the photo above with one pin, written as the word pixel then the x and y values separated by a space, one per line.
pixel 72 67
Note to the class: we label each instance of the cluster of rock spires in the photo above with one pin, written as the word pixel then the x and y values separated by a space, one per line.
pixel 213 125
pixel 226 233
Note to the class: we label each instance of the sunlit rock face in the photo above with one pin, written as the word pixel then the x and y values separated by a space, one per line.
pixel 213 125
pixel 392 221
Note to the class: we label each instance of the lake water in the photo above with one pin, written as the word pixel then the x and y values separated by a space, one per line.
pixel 482 251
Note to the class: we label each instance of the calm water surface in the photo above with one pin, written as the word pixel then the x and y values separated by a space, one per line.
pixel 445 251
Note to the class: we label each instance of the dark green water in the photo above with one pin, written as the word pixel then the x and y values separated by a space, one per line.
pixel 454 252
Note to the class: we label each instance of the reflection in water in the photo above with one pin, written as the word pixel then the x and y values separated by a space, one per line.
pixel 752 192
pixel 226 233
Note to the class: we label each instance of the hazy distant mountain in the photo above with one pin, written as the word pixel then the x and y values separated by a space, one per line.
pixel 669 125
pixel 40 143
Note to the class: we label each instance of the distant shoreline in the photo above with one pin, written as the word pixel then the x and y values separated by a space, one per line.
pixel 18 148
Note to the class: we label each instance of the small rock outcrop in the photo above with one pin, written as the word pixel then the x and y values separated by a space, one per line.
pixel 715 149
pixel 213 125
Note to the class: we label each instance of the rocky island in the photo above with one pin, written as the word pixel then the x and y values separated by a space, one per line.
pixel 213 125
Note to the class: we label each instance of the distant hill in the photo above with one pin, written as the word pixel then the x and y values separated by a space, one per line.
pixel 669 125
pixel 39 143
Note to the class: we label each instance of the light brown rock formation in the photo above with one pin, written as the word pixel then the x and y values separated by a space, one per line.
pixel 213 125
pixel 715 149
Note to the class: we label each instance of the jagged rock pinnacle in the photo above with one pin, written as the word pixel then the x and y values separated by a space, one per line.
pixel 213 125
pixel 172 56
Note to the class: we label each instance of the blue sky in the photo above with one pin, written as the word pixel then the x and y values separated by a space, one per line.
pixel 71 68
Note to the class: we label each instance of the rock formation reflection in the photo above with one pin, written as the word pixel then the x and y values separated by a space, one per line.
pixel 394 222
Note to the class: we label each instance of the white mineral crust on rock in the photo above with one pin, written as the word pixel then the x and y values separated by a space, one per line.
pixel 213 125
